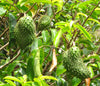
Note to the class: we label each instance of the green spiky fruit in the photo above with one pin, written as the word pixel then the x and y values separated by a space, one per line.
pixel 24 31
pixel 74 63
pixel 44 22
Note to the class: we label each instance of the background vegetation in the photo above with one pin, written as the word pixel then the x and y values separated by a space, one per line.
pixel 72 22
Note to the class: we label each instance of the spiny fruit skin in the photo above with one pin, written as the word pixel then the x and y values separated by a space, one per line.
pixel 44 22
pixel 24 31
pixel 74 63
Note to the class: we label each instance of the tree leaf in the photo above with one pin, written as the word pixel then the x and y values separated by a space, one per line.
pixel 46 36
pixel 10 82
pixel 53 33
pixel 48 77
pixel 12 23
pixel 60 69
pixel 91 19
pixel 75 81
pixel 30 69
pixel 13 78
pixel 11 67
pixel 57 38
pixel 91 71
pixel 2 11
pixel 83 30
pixel 97 9
pixel 58 3
pixel 81 14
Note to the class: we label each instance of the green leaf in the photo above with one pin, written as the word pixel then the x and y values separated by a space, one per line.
pixel 61 82
pixel 57 38
pixel 38 81
pixel 36 65
pixel 91 71
pixel 46 36
pixel 97 9
pixel 88 43
pixel 60 70
pixel 10 82
pixel 75 81
pixel 83 30
pixel 35 44
pixel 2 11
pixel 30 69
pixel 12 23
pixel 61 23
pixel 98 64
pixel 49 10
pixel 48 77
pixel 39 1
pixel 94 20
pixel 13 78
pixel 94 56
pixel 58 3
pixel 53 33
pixel 81 14
pixel 11 67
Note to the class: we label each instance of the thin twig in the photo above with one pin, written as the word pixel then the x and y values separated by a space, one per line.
pixel 96 76
pixel 46 56
pixel 10 60
pixel 87 19
pixel 37 12
pixel 4 46
pixel 72 37
pixel 67 42
pixel 61 9
pixel 91 13
pixel 98 51
pixel 4 32
pixel 46 67
pixel 30 8
pixel 13 6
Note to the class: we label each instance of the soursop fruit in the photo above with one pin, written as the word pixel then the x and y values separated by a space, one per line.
pixel 44 22
pixel 24 31
pixel 74 65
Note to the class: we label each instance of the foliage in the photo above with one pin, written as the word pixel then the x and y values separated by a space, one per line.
pixel 73 22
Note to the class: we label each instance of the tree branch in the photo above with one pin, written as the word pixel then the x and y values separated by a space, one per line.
pixel 4 32
pixel 4 46
pixel 30 8
pixel 18 53
pixel 86 19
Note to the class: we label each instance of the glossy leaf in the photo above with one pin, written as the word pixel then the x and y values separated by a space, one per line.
pixel 81 14
pixel 58 3
pixel 61 82
pixel 11 67
pixel 53 33
pixel 57 38
pixel 94 20
pixel 49 10
pixel 75 81
pixel 30 69
pixel 97 9
pixel 83 30
pixel 12 78
pixel 94 56
pixel 91 71
pixel 10 82
pixel 46 36
pixel 60 70
pixel 48 77
pixel 2 11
